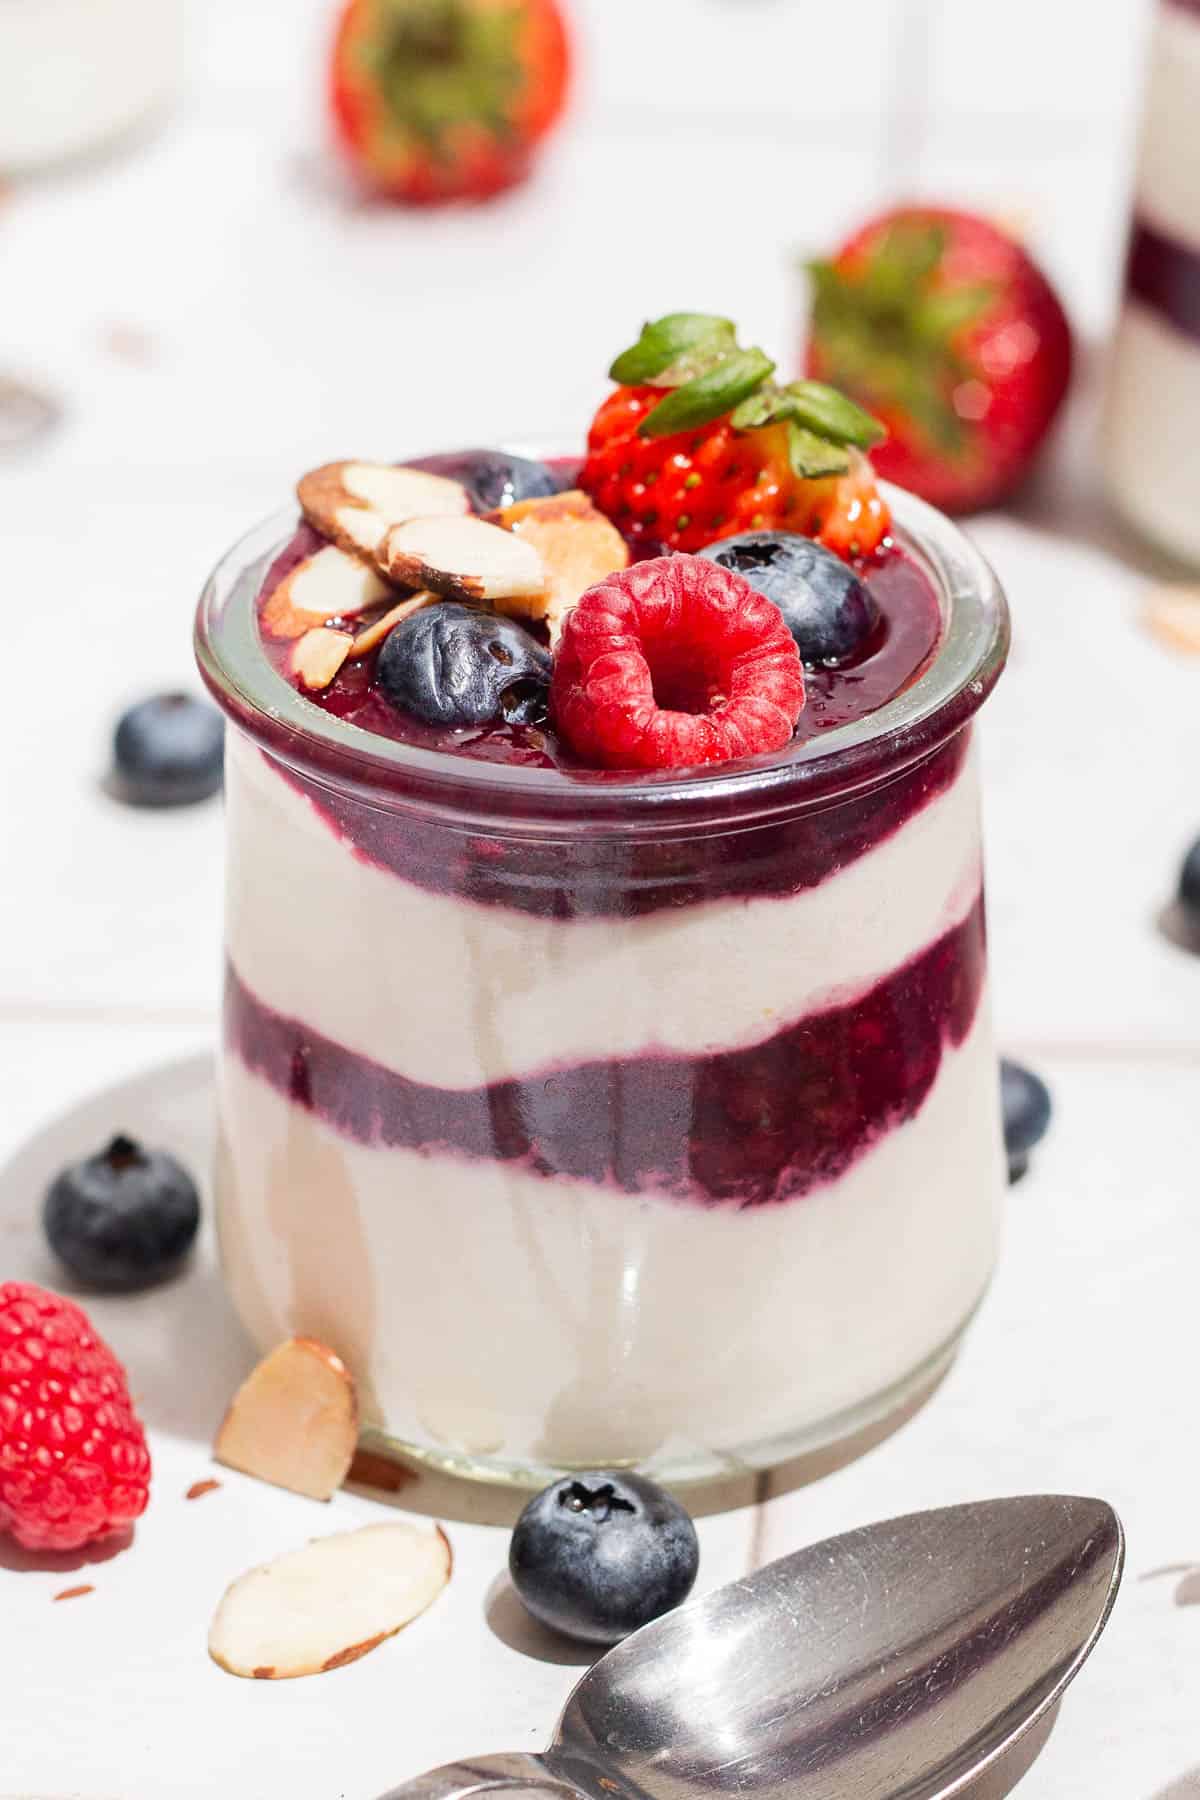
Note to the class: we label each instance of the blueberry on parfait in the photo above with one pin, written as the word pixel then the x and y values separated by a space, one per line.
pixel 452 665
pixel 825 606
pixel 493 479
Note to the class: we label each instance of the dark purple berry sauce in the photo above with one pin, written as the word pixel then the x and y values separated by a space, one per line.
pixel 894 654
pixel 747 1127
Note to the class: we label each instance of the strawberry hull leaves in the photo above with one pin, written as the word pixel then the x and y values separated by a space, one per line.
pixel 812 457
pixel 820 422
pixel 671 344
pixel 697 359
pixel 708 396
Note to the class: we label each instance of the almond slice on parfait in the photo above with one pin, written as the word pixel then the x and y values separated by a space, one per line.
pixel 327 585
pixel 318 655
pixel 461 559
pixel 578 547
pixel 372 635
pixel 354 504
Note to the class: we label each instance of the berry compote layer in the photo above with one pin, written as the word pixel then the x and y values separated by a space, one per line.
pixel 591 1137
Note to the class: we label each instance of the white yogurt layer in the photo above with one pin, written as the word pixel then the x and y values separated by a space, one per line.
pixel 1149 437
pixel 1168 176
pixel 488 1311
pixel 460 994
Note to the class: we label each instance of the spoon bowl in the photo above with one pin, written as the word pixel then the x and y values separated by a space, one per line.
pixel 901 1661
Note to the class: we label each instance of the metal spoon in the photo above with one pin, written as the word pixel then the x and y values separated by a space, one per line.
pixel 905 1659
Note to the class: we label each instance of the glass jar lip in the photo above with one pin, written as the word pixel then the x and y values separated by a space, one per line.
pixel 940 701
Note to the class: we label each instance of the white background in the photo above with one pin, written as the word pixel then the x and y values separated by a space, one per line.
pixel 216 313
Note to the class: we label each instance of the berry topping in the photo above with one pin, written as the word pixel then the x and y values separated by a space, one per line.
pixel 698 443
pixel 73 1460
pixel 169 751
pixel 675 662
pixel 438 100
pixel 941 324
pixel 597 1556
pixel 825 606
pixel 452 665
pixel 493 478
pixel 1025 1103
pixel 123 1219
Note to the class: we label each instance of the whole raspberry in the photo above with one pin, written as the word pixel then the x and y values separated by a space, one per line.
pixel 675 662
pixel 73 1460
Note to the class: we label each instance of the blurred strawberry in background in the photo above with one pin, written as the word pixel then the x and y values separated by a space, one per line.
pixel 942 326
pixel 438 100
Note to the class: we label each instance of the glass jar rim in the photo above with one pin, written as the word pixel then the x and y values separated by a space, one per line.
pixel 959 675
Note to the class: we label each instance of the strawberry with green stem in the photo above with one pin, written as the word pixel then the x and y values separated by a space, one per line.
pixel 437 100
pixel 945 328
pixel 698 442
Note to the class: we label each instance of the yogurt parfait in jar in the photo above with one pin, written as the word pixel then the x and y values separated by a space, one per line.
pixel 606 1070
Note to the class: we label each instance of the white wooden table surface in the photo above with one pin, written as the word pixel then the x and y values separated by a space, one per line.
pixel 275 324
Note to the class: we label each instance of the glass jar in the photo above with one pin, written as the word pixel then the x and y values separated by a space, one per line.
pixel 602 1120
pixel 1150 462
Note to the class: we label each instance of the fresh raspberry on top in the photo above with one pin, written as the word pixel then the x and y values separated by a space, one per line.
pixel 675 662
pixel 73 1460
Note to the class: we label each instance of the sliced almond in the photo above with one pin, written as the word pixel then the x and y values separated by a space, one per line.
pixel 1172 614
pixel 329 1603
pixel 294 1421
pixel 375 633
pixel 578 547
pixel 318 656
pixel 354 503
pixel 462 559
pixel 328 585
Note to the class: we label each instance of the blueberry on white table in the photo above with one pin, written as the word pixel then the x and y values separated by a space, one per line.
pixel 1025 1103
pixel 596 1556
pixel 825 606
pixel 169 751
pixel 1189 886
pixel 124 1218
pixel 452 665
pixel 493 478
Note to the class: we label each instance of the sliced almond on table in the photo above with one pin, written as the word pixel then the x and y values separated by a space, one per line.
pixel 375 633
pixel 318 656
pixel 462 559
pixel 294 1420
pixel 1172 614
pixel 578 547
pixel 329 1603
pixel 354 503
pixel 328 585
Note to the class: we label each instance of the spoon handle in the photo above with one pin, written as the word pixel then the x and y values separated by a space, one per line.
pixel 458 1780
